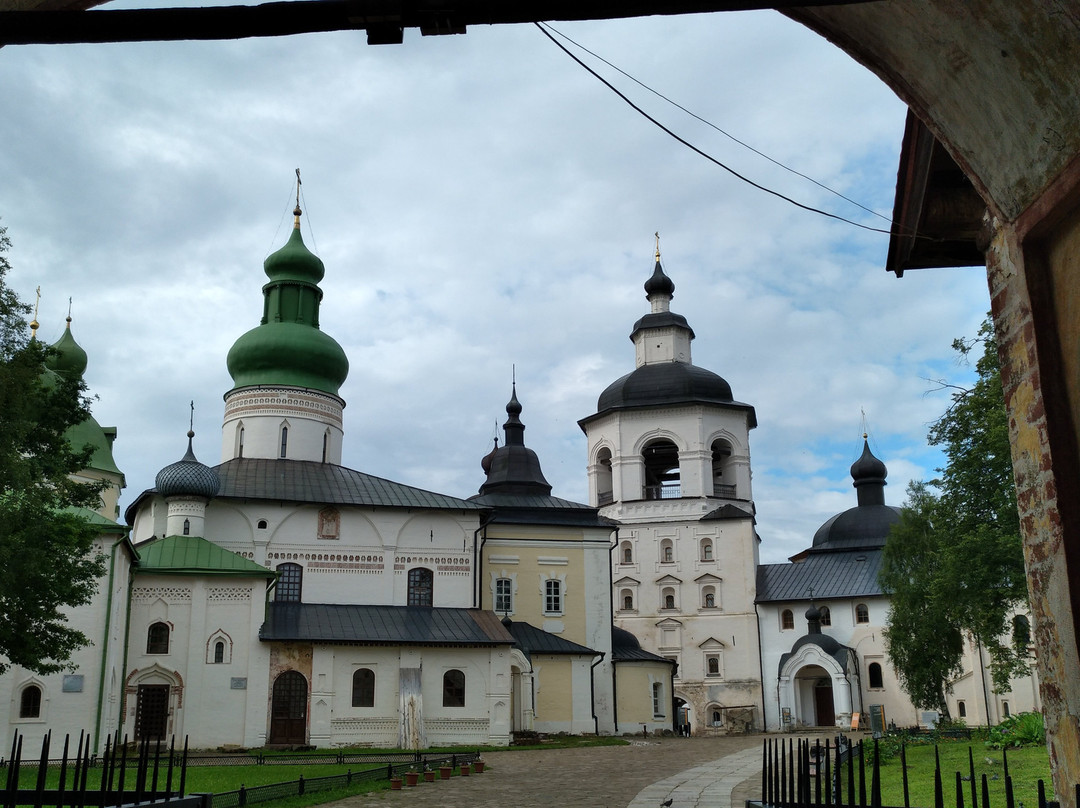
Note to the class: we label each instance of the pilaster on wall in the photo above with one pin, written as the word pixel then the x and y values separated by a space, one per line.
pixel 1045 465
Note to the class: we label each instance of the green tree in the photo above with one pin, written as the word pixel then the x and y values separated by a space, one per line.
pixel 47 558
pixel 954 564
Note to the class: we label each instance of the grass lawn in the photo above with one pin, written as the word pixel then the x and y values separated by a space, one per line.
pixel 220 779
pixel 1026 767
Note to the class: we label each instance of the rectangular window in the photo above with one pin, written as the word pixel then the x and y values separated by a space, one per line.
pixel 504 596
pixel 657 700
pixel 552 596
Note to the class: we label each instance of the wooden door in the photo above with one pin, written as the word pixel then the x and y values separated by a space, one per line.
pixel 823 705
pixel 152 712
pixel 288 712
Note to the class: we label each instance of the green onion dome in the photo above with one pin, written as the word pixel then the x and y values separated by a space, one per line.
pixel 70 358
pixel 287 348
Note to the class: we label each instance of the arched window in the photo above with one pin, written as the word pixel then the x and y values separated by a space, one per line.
pixel 30 702
pixel 787 620
pixel 1021 632
pixel 706 550
pixel 708 600
pixel 157 638
pixel 290 585
pixel 240 441
pixel 826 615
pixel 627 552
pixel 712 665
pixel 219 652
pixel 667 552
pixel 723 481
pixel 627 600
pixel 284 441
pixel 325 445
pixel 604 491
pixel 1005 709
pixel 187 527
pixel 661 470
pixel 668 597
pixel 421 586
pixel 961 709
pixel 716 720
pixel 453 689
pixel 261 524
pixel 874 675
pixel 363 688
pixel 862 613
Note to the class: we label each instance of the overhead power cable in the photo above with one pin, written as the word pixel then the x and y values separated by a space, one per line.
pixel 810 208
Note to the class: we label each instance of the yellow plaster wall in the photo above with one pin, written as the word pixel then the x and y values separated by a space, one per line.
pixel 555 694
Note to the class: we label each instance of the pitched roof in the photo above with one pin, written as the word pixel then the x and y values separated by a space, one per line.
pixel 324 483
pixel 194 555
pixel 536 509
pixel 532 640
pixel 831 575
pixel 382 625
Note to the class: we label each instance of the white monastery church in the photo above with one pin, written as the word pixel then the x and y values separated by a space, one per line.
pixel 280 598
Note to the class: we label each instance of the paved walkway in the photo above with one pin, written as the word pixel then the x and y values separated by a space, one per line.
pixel 692 772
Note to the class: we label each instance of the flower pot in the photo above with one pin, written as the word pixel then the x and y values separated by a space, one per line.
pixel 429 776
pixel 478 766
pixel 412 778
pixel 395 784
pixel 445 772
pixel 465 770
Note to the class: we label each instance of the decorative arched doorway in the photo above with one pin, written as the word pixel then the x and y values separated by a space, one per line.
pixel 288 710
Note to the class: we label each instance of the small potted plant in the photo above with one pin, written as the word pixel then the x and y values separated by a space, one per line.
pixel 412 777
pixel 478 765
pixel 466 770
pixel 395 783
pixel 445 771
pixel 429 774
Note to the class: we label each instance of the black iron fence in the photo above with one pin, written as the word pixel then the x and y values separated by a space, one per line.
pixel 798 773
pixel 128 775
pixel 310 785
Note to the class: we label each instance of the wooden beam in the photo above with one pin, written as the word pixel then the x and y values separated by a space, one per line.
pixel 378 17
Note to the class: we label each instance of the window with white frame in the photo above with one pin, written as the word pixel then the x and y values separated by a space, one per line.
pixel 787 620
pixel 667 598
pixel 708 597
pixel 667 552
pixel 713 666
pixel 627 550
pixel 553 596
pixel 30 702
pixel 627 599
pixel 706 550
pixel 826 615
pixel 862 613
pixel 658 699
pixel 504 595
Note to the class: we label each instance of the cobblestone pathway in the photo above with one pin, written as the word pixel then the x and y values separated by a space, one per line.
pixel 692 772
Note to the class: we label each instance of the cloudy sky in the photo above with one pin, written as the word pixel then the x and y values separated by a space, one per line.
pixel 482 202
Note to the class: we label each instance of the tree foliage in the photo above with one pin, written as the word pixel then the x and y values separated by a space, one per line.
pixel 47 560
pixel 954 564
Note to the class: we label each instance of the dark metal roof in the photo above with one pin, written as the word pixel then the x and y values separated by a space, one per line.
pixel 533 509
pixel 532 640
pixel 729 511
pixel 831 575
pixel 324 483
pixel 382 625
pixel 667 383
pixel 626 648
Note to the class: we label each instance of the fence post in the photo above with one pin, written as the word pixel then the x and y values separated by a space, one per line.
pixel 301 781
pixel 243 795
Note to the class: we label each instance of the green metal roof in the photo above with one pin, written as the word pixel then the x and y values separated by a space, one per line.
pixel 102 523
pixel 194 555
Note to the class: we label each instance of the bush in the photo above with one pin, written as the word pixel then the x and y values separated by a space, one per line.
pixel 1022 729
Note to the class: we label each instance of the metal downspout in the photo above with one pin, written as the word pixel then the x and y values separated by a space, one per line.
pixel 761 673
pixel 611 607
pixel 478 557
pixel 105 644
pixel 592 693
pixel 127 639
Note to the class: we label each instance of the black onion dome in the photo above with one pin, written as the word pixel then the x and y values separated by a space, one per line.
pixel 868 469
pixel 665 383
pixel 188 477
pixel 513 468
pixel 813 614
pixel 867 525
pixel 485 461
pixel 659 283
